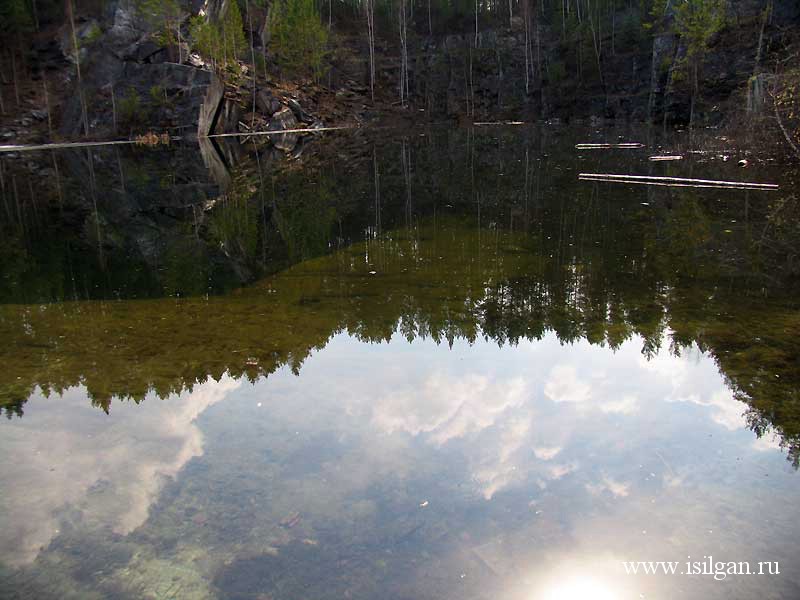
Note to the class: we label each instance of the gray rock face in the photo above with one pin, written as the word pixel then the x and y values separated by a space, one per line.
pixel 127 27
pixel 167 94
pixel 85 33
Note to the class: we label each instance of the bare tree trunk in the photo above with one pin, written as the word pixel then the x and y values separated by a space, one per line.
pixel 430 22
pixel 526 16
pixel 84 115
pixel 471 85
pixel 253 57
pixel 35 13
pixel 783 128
pixel 766 17
pixel 476 23
pixel 403 55
pixel 369 6
pixel 597 45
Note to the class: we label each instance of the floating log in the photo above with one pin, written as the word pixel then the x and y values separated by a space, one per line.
pixel 676 181
pixel 61 146
pixel 668 157
pixel 278 132
pixel 624 146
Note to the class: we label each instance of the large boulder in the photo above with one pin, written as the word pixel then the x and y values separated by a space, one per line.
pixel 283 120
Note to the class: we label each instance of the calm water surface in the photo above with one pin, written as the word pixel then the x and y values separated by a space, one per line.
pixel 423 366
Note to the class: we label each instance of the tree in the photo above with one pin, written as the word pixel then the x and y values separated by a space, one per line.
pixel 696 22
pixel 233 40
pixel 369 9
pixel 165 17
pixel 224 42
pixel 207 39
pixel 298 37
pixel 15 20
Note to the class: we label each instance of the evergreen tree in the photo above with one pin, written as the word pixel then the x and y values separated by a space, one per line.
pixel 233 40
pixel 164 16
pixel 298 37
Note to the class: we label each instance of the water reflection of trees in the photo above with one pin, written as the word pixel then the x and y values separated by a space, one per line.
pixel 491 243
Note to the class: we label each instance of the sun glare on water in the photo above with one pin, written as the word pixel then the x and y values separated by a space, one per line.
pixel 580 588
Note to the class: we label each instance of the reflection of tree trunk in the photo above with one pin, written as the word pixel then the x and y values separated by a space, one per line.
pixel 695 87
pixel 3 193
pixel 16 201
pixel 377 177
pixel 405 159
pixel 14 75
pixel 47 107
pixel 93 190
pixel 121 172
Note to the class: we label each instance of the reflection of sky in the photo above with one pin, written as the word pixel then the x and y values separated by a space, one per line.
pixel 547 459
pixel 65 451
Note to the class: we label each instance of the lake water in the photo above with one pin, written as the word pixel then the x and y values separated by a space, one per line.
pixel 406 365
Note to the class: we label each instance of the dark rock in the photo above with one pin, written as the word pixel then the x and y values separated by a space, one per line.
pixel 186 89
pixel 145 51
pixel 298 111
pixel 267 104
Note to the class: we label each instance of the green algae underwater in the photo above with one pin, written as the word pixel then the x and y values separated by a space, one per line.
pixel 425 366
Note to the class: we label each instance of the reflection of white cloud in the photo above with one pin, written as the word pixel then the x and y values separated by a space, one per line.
pixel 694 379
pixel 106 469
pixel 626 405
pixel 444 408
pixel 499 469
pixel 558 471
pixel 727 411
pixel 546 453
pixel 615 488
pixel 447 408
pixel 563 385
pixel 767 443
